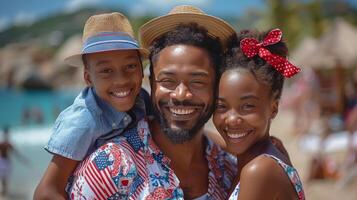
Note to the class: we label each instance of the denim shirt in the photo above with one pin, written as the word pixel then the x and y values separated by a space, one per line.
pixel 89 122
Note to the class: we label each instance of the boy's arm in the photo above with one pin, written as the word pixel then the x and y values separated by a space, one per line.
pixel 54 180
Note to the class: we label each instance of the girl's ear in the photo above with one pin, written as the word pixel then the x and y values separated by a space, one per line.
pixel 86 76
pixel 275 108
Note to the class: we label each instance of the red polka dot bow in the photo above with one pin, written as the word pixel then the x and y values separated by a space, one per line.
pixel 252 47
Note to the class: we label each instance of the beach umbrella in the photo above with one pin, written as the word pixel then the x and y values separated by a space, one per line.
pixel 337 47
pixel 301 56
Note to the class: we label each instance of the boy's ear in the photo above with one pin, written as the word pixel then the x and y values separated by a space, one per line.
pixel 86 76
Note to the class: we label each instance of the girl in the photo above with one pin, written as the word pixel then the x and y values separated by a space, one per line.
pixel 250 87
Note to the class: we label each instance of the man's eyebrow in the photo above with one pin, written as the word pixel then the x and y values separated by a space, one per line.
pixel 249 96
pixel 163 72
pixel 199 73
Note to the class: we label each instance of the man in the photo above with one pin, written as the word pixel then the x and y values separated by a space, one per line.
pixel 184 67
pixel 176 160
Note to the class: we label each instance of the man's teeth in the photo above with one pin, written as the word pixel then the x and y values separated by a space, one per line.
pixel 237 135
pixel 181 111
pixel 121 94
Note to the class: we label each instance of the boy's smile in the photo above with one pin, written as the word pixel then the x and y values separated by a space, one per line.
pixel 116 77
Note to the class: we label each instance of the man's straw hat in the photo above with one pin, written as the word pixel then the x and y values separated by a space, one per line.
pixel 106 32
pixel 183 14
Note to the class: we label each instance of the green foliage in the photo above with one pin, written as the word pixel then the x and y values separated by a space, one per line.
pixel 298 19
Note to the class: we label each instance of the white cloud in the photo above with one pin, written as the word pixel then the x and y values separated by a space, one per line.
pixel 74 5
pixel 175 2
pixel 24 18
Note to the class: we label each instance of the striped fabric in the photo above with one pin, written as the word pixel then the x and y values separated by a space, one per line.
pixel 132 167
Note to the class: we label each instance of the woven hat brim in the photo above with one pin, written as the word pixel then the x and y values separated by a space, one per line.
pixel 76 59
pixel 161 25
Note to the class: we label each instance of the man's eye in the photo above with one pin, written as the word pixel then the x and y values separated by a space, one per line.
pixel 220 107
pixel 167 83
pixel 104 71
pixel 198 84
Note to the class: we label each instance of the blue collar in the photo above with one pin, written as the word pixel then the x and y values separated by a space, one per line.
pixel 100 107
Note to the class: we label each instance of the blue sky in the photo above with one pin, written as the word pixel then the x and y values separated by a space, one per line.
pixel 27 11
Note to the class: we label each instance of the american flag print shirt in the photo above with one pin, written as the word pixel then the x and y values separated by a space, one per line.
pixel 131 166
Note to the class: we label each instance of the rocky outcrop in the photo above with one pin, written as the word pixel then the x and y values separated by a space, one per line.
pixel 32 66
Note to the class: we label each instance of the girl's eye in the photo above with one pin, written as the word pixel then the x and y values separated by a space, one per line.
pixel 248 106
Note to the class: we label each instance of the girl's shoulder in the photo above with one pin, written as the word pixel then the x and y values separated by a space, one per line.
pixel 265 174
pixel 262 167
pixel 269 175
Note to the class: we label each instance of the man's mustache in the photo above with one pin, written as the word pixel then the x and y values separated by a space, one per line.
pixel 179 103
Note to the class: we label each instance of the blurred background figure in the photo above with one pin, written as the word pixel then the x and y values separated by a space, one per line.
pixel 6 149
pixel 349 166
pixel 304 101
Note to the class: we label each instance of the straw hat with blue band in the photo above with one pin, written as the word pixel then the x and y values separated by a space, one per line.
pixel 106 32
pixel 183 14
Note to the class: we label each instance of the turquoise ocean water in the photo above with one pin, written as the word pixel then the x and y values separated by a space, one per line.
pixel 30 116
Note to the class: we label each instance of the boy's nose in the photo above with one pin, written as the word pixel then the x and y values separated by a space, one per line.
pixel 120 78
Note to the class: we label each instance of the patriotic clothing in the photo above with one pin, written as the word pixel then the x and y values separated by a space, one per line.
pixel 290 172
pixel 87 123
pixel 131 166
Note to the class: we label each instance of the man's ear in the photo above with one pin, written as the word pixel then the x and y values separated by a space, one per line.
pixel 86 76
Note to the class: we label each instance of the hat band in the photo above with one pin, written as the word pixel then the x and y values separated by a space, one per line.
pixel 105 41
pixel 108 41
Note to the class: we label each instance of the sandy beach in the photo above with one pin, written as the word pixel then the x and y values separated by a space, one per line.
pixel 315 190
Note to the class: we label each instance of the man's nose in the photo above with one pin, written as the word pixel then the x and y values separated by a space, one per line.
pixel 181 92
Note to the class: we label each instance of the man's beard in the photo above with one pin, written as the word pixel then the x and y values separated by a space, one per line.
pixel 180 136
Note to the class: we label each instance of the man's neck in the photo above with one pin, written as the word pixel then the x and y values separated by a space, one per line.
pixel 182 155
pixel 188 161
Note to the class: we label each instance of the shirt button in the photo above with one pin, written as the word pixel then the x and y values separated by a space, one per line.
pixel 114 125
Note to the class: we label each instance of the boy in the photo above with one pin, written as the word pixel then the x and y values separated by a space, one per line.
pixel 113 73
